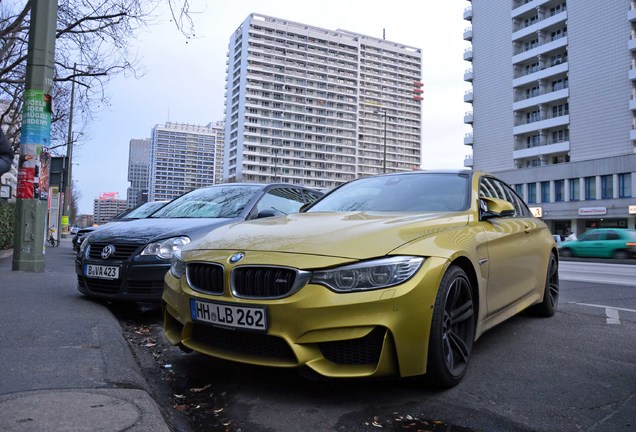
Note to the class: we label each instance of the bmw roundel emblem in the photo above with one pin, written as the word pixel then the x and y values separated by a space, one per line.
pixel 108 251
pixel 236 257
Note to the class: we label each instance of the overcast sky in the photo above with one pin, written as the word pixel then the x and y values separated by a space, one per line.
pixel 184 82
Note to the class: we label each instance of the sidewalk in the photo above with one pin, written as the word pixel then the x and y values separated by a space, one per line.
pixel 64 363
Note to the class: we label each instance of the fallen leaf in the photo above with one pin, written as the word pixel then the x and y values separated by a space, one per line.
pixel 179 396
pixel 181 407
pixel 200 389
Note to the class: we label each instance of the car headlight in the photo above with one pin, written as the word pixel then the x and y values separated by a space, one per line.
pixel 166 248
pixel 368 275
pixel 83 244
pixel 177 265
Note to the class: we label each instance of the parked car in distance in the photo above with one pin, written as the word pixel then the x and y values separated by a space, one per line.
pixel 602 243
pixel 128 261
pixel 391 275
pixel 141 211
pixel 74 230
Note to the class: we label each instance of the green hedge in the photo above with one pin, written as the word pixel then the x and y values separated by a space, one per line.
pixel 7 221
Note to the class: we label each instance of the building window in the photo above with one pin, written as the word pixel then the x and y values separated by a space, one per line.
pixel 532 193
pixel 559 190
pixel 590 188
pixel 533 141
pixel 575 189
pixel 625 185
pixel 545 191
pixel 519 189
pixel 607 186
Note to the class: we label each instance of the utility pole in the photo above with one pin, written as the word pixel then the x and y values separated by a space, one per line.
pixel 31 205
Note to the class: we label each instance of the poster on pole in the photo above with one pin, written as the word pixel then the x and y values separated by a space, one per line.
pixel 35 138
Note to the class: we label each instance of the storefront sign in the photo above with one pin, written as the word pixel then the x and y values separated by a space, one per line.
pixel 632 209
pixel 592 211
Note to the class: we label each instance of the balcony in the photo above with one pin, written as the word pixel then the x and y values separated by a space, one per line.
pixel 468 13
pixel 543 122
pixel 522 55
pixel 520 7
pixel 632 103
pixel 468 117
pixel 631 15
pixel 632 74
pixel 468 96
pixel 468 139
pixel 468 161
pixel 542 73
pixel 632 134
pixel 468 54
pixel 541 98
pixel 537 26
pixel 532 152
pixel 631 44
pixel 468 75
pixel 468 34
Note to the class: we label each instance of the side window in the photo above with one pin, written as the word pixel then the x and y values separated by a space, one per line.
pixel 311 196
pixel 591 236
pixel 487 189
pixel 612 235
pixel 285 200
pixel 505 192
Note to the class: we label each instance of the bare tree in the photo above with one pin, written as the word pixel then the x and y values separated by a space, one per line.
pixel 92 47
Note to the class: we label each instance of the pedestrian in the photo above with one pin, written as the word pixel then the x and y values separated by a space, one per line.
pixel 6 154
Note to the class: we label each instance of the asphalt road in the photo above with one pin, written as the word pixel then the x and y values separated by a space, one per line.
pixel 575 371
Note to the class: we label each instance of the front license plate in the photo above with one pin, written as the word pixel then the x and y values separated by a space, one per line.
pixel 244 317
pixel 101 272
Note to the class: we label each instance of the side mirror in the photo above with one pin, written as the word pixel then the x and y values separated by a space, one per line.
pixel 270 212
pixel 490 208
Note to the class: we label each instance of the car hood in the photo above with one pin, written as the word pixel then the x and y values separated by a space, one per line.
pixel 354 235
pixel 153 229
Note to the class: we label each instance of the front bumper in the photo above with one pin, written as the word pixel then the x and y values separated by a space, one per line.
pixel 141 282
pixel 362 334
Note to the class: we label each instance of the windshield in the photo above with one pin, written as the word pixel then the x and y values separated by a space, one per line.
pixel 211 202
pixel 144 210
pixel 416 192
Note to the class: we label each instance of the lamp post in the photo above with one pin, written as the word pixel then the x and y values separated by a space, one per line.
pixel 69 159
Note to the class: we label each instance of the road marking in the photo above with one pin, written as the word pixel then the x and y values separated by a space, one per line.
pixel 610 312
pixel 605 307
pixel 612 316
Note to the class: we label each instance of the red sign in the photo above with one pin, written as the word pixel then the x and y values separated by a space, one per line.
pixel 25 183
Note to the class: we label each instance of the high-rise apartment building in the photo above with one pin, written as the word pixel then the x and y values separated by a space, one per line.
pixel 184 157
pixel 138 171
pixel 318 107
pixel 106 207
pixel 554 106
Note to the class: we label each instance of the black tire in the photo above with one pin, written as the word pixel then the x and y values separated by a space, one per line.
pixel 452 330
pixel 621 255
pixel 566 252
pixel 550 302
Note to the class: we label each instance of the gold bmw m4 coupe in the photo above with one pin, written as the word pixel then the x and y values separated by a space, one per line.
pixel 396 274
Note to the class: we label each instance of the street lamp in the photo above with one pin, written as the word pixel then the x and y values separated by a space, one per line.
pixel 69 158
pixel 69 155
pixel 383 111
